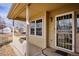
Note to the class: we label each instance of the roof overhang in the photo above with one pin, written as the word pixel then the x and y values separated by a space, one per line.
pixel 18 11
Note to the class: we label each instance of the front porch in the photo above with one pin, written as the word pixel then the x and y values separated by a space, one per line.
pixel 51 25
pixel 8 50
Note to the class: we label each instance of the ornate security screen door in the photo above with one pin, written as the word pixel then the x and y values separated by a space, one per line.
pixel 64 33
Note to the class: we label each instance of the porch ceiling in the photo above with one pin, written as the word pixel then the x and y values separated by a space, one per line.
pixel 43 7
pixel 18 11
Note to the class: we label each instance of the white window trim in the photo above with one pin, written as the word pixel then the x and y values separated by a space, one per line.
pixel 35 28
pixel 60 48
pixel 30 30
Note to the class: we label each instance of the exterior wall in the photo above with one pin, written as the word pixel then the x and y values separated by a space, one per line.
pixel 53 13
pixel 48 38
pixel 39 41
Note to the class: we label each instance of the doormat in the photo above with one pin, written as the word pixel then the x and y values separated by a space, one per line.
pixel 62 53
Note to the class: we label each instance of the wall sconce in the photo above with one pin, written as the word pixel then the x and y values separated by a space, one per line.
pixel 51 19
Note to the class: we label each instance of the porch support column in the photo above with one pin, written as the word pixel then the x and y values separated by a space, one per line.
pixel 27 30
pixel 74 30
pixel 13 30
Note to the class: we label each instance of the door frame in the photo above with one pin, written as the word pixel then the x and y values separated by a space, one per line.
pixel 75 13
pixel 73 32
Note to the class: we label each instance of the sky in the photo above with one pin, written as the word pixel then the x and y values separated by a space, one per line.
pixel 4 10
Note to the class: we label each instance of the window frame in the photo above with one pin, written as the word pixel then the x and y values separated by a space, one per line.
pixel 30 28
pixel 36 27
pixel 41 18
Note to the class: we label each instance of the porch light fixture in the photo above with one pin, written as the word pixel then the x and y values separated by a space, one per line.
pixel 51 19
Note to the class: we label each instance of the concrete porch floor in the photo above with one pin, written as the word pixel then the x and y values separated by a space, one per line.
pixel 36 51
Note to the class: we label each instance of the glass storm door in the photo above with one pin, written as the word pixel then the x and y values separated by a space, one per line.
pixel 64 32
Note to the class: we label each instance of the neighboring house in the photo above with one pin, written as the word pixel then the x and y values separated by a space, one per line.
pixel 3 27
pixel 5 30
pixel 45 24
